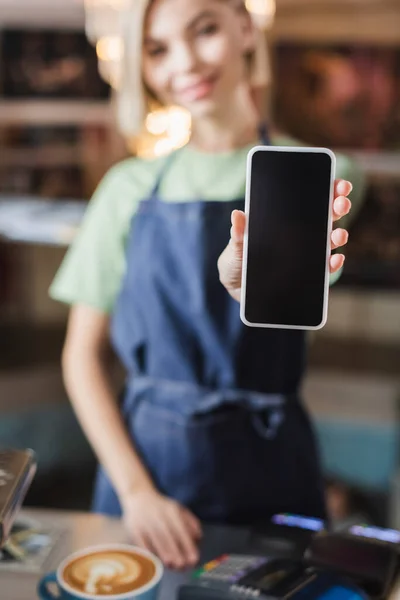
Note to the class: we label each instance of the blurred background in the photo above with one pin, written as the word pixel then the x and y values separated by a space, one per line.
pixel 336 82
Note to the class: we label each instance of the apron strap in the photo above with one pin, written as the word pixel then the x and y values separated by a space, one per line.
pixel 264 134
pixel 167 163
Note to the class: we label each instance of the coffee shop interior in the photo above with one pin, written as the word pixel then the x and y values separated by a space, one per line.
pixel 335 83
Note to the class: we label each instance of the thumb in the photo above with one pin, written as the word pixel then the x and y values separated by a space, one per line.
pixel 193 524
pixel 238 219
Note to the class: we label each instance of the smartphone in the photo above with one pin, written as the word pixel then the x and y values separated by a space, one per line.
pixel 390 536
pixel 285 277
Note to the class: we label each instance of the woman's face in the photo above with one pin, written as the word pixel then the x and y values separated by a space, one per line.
pixel 193 53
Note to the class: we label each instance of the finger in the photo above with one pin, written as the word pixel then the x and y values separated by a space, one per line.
pixel 193 524
pixel 336 262
pixel 238 219
pixel 155 545
pixel 342 187
pixel 167 538
pixel 161 548
pixel 143 541
pixel 339 238
pixel 184 538
pixel 138 538
pixel 341 207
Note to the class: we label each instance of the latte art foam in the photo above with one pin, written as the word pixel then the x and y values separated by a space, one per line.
pixel 109 572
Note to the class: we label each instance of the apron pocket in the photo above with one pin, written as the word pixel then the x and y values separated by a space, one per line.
pixel 222 463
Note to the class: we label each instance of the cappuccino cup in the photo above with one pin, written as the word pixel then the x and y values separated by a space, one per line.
pixel 108 572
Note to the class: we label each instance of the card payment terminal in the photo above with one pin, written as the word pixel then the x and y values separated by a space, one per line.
pixel 354 565
pixel 241 577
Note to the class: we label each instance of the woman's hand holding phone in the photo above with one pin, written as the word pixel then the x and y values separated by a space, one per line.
pixel 230 262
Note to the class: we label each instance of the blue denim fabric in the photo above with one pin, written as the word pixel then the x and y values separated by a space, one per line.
pixel 212 405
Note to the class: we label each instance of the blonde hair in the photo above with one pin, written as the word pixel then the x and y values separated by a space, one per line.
pixel 133 101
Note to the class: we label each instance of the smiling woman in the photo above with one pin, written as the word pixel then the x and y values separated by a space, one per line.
pixel 187 60
pixel 136 94
pixel 212 426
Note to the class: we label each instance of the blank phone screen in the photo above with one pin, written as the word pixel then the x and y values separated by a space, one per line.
pixel 290 193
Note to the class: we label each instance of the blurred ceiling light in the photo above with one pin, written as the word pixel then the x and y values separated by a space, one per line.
pixel 110 72
pixel 110 51
pixel 110 48
pixel 171 126
pixel 179 124
pixel 262 11
pixel 173 121
pixel 162 147
pixel 147 146
pixel 157 122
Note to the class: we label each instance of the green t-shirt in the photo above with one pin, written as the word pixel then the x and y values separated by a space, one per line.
pixel 93 268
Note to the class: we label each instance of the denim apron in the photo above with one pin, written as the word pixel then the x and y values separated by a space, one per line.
pixel 212 406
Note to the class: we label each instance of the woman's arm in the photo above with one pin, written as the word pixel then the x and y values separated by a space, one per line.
pixel 87 376
pixel 156 522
